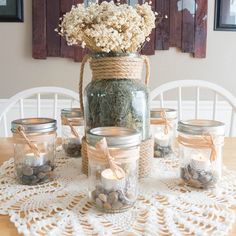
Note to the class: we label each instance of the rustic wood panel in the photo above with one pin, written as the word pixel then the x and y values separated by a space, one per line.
pixel 53 39
pixel 39 49
pixel 163 28
pixel 188 26
pixel 181 27
pixel 175 24
pixel 200 29
pixel 66 51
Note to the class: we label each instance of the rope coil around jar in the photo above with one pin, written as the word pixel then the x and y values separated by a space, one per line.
pixel 113 157
pixel 203 142
pixel 114 67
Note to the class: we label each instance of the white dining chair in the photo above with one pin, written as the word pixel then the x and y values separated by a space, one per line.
pixel 219 95
pixel 38 97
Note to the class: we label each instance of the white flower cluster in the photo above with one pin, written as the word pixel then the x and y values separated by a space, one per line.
pixel 108 27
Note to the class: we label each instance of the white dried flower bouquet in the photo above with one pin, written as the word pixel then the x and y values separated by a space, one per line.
pixel 108 27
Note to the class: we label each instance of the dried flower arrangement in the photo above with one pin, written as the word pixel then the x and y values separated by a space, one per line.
pixel 108 27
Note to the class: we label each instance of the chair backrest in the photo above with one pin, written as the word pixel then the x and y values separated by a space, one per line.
pixel 198 85
pixel 51 93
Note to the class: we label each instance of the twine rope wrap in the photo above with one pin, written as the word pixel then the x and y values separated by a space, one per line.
pixel 113 157
pixel 71 124
pixel 163 121
pixel 20 137
pixel 114 68
pixel 20 131
pixel 202 142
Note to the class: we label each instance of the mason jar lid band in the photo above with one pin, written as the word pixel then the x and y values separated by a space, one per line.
pixel 202 142
pixel 114 157
pixel 66 121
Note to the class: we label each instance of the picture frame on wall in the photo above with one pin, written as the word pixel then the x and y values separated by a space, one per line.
pixel 11 11
pixel 225 15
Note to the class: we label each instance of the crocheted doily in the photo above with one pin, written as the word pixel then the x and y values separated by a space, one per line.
pixel 164 205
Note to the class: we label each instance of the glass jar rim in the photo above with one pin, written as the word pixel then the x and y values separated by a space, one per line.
pixel 115 136
pixel 72 113
pixel 170 113
pixel 201 127
pixel 34 125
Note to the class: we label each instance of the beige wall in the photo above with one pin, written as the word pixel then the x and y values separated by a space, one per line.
pixel 19 71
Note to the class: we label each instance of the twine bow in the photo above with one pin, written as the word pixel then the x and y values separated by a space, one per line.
pixel 72 128
pixel 203 142
pixel 102 148
pixel 20 130
pixel 163 121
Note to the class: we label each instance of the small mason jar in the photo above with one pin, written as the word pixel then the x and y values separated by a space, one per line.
pixel 34 149
pixel 113 154
pixel 163 126
pixel 72 131
pixel 200 152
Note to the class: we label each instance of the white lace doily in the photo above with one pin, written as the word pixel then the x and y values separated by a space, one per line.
pixel 164 206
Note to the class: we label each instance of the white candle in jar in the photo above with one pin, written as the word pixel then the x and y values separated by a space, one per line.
pixel 200 162
pixel 110 181
pixel 162 139
pixel 32 160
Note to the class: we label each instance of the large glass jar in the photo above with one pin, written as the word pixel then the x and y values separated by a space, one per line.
pixel 113 154
pixel 163 127
pixel 34 149
pixel 116 96
pixel 72 131
pixel 200 151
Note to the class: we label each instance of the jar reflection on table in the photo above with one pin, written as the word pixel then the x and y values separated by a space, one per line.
pixel 72 131
pixel 34 149
pixel 163 126
pixel 200 152
pixel 111 192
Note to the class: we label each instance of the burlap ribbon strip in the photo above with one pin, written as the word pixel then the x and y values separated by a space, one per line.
pixel 202 142
pixel 113 157
pixel 66 121
pixel 20 137
pixel 114 67
pixel 163 121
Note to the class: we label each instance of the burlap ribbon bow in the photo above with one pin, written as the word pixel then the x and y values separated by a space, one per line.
pixel 103 151
pixel 163 121
pixel 202 142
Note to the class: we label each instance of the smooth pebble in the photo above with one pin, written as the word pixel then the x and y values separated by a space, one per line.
pixel 26 170
pixel 102 197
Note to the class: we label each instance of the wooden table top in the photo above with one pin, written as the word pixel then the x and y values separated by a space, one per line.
pixel 6 151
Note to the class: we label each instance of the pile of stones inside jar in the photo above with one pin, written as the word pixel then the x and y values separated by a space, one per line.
pixel 198 178
pixel 114 195
pixel 34 173
pixel 162 151
pixel 72 147
pixel 113 200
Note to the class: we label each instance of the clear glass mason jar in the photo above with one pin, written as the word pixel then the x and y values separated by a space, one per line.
pixel 113 101
pixel 163 127
pixel 113 167
pixel 200 152
pixel 72 131
pixel 34 149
